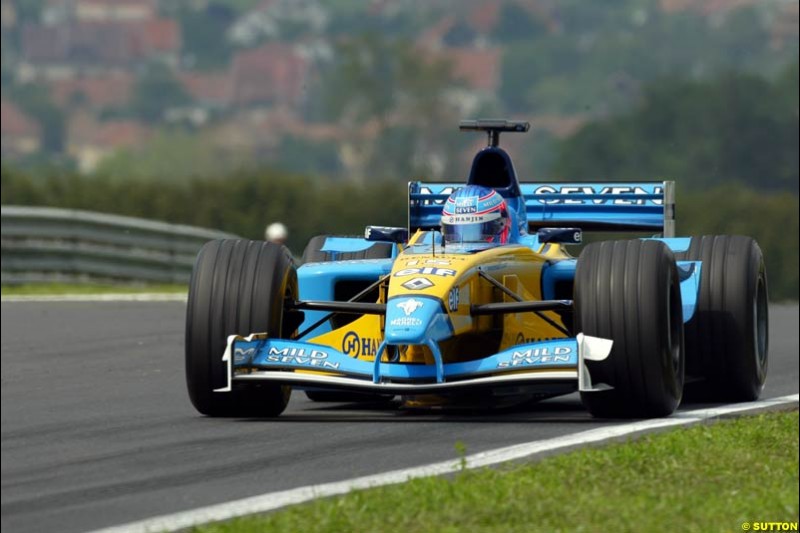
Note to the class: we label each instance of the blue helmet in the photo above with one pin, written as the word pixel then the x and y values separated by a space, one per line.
pixel 475 214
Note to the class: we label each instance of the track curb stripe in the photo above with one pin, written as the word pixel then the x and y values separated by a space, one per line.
pixel 276 500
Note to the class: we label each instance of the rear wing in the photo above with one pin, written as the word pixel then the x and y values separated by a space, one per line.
pixel 609 206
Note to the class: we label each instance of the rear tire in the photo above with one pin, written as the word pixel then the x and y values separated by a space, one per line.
pixel 314 254
pixel 237 287
pixel 727 339
pixel 629 292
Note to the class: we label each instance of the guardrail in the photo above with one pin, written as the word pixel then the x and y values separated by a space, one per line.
pixel 43 244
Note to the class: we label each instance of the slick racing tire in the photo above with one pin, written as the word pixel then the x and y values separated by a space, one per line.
pixel 314 254
pixel 629 292
pixel 237 287
pixel 727 339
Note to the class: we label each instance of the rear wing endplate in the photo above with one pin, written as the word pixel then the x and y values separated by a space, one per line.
pixel 608 206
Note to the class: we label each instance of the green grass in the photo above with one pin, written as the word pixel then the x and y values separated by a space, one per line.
pixel 80 288
pixel 703 478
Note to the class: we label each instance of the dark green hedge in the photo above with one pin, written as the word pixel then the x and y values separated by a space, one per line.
pixel 245 203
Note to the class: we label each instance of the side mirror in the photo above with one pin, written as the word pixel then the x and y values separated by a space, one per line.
pixel 383 233
pixel 560 235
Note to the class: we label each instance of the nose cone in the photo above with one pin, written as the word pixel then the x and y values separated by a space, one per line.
pixel 416 319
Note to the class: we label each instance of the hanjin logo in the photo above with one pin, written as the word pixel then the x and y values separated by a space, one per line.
pixel 351 344
pixel 410 306
pixel 417 284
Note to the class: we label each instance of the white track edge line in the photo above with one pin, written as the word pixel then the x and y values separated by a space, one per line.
pixel 109 297
pixel 276 500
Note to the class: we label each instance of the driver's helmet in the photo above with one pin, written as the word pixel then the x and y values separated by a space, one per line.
pixel 475 214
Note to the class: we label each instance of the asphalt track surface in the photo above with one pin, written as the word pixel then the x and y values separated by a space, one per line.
pixel 97 429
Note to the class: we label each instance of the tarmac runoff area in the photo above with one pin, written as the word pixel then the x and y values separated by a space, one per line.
pixel 98 431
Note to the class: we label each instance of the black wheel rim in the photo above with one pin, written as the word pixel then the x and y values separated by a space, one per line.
pixel 674 330
pixel 760 322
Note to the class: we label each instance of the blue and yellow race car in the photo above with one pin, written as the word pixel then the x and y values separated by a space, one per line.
pixel 478 300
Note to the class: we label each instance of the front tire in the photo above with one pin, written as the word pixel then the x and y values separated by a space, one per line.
pixel 727 339
pixel 237 287
pixel 629 292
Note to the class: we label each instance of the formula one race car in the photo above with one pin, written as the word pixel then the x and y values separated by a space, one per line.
pixel 478 299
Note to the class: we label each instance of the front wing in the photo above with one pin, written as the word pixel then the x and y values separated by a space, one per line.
pixel 549 366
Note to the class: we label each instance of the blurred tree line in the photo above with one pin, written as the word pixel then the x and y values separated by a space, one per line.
pixel 736 129
pixel 771 218
pixel 402 96
pixel 730 144
pixel 595 56
pixel 244 203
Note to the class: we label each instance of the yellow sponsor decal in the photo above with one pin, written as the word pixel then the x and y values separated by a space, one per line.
pixel 358 339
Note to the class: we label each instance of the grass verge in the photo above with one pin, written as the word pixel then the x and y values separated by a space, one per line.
pixel 698 479
pixel 41 289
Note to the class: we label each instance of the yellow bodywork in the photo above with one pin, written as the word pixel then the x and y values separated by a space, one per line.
pixel 518 268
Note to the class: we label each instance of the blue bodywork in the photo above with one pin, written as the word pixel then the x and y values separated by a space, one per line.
pixel 278 354
pixel 429 320
pixel 563 271
pixel 337 245
pixel 635 206
pixel 318 280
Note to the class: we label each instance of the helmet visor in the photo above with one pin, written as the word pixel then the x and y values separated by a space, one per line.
pixel 455 233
